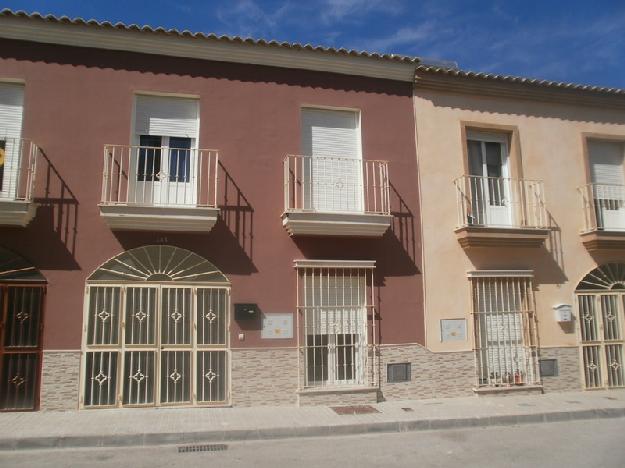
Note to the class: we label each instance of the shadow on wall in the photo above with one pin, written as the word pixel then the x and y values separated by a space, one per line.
pixel 119 60
pixel 50 238
pixel 229 245
pixel 497 105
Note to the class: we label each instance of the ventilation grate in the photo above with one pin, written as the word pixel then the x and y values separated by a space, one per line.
pixel 203 448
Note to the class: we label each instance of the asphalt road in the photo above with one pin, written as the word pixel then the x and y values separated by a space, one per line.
pixel 589 444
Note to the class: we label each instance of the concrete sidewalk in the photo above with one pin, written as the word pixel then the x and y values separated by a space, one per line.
pixel 136 427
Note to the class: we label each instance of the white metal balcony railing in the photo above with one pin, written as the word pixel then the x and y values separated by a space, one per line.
pixel 336 184
pixel 17 174
pixel 500 202
pixel 159 176
pixel 604 207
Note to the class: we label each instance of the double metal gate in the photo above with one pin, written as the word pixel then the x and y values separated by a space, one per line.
pixel 155 345
pixel 601 329
pixel 21 324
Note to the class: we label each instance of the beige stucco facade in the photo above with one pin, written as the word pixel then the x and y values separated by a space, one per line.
pixel 546 143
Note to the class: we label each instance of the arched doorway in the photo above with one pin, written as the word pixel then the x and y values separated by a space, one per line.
pixel 156 331
pixel 600 303
pixel 22 291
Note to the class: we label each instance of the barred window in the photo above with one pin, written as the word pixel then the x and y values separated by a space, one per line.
pixel 334 304
pixel 505 328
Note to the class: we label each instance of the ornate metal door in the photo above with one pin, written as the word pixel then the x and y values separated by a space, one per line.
pixel 21 325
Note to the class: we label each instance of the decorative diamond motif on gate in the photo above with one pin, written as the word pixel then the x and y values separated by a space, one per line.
pixel 210 375
pixel 139 376
pixel 592 366
pixel 104 315
pixel 587 316
pixel 100 378
pixel 615 365
pixel 22 316
pixel 175 376
pixel 140 315
pixel 210 315
pixel 17 380
pixel 176 315
pixel 610 316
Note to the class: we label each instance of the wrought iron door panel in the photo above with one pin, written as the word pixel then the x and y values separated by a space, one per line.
pixel 100 378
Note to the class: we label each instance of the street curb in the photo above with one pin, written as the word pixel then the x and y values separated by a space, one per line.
pixel 237 435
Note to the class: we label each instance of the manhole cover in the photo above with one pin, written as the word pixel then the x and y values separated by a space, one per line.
pixel 359 409
pixel 408 410
pixel 573 402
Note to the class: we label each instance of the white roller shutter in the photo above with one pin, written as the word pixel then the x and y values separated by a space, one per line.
pixel 11 109
pixel 332 138
pixel 606 162
pixel 166 116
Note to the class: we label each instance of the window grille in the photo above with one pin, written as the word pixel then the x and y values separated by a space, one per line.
pixel 155 345
pixel 336 323
pixel 505 329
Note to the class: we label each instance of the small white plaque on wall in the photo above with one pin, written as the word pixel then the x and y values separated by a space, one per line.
pixel 453 330
pixel 277 326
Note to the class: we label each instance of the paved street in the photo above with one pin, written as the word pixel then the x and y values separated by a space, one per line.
pixel 595 443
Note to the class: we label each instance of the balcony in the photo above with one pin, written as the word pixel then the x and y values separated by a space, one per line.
pixel 17 179
pixel 604 216
pixel 500 212
pixel 159 188
pixel 335 196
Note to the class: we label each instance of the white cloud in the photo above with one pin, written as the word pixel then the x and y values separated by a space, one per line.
pixel 347 10
pixel 249 19
pixel 401 37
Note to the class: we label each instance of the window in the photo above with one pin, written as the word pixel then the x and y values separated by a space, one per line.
pixel 167 162
pixel 11 111
pixel 608 183
pixel 505 328
pixel 334 304
pixel 332 164
pixel 489 178
pixel 151 341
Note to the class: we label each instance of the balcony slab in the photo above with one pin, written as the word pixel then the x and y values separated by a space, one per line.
pixel 483 236
pixel 16 213
pixel 603 240
pixel 159 218
pixel 305 223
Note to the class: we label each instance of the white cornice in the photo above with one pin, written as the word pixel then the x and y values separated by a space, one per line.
pixel 334 263
pixel 190 47
pixel 501 274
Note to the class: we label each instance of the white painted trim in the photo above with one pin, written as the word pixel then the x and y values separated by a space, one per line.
pixel 21 81
pixel 304 263
pixel 161 44
pixel 501 274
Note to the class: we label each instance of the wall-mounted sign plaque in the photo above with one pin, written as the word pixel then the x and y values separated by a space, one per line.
pixel 277 326
pixel 453 330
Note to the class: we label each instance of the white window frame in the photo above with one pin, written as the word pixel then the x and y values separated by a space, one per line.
pixel 314 275
pixel 506 352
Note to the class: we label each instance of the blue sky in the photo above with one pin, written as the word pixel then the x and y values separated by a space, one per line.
pixel 575 40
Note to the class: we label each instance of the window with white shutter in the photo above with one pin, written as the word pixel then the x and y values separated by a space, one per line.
pixel 166 158
pixel 11 110
pixel 333 172
pixel 334 302
pixel 505 328
pixel 608 183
